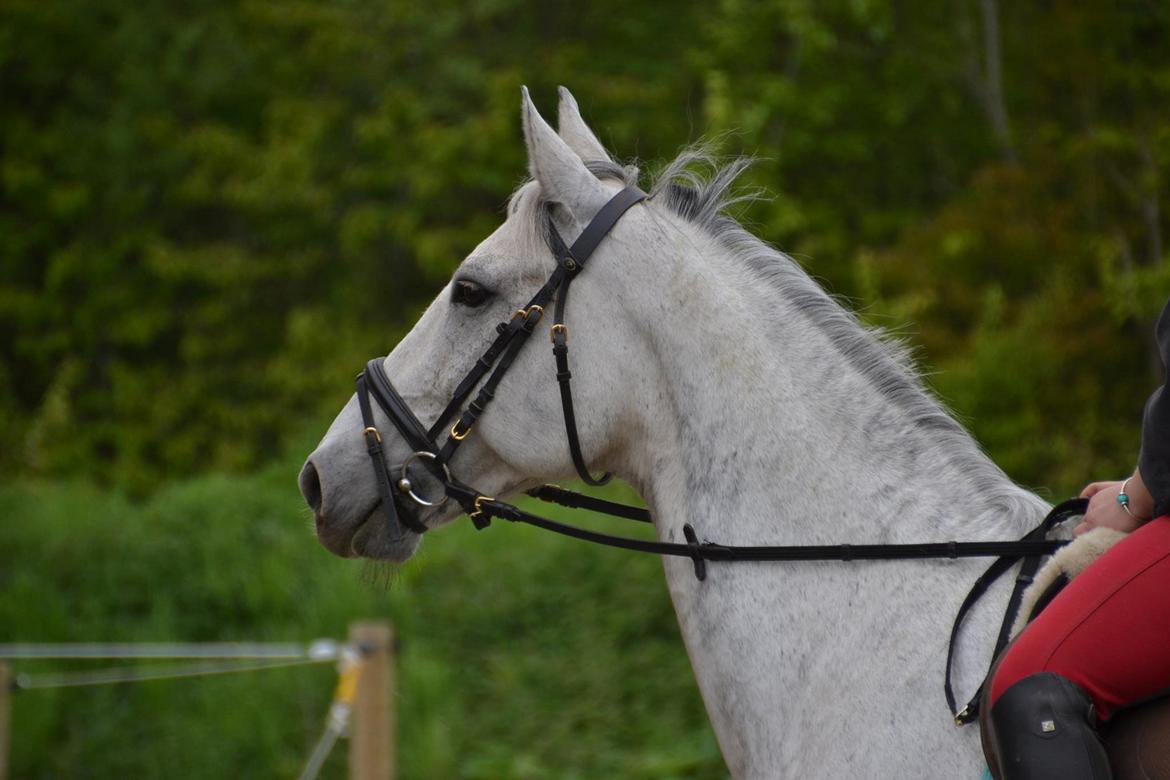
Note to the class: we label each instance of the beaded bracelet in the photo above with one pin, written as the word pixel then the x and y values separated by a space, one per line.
pixel 1123 500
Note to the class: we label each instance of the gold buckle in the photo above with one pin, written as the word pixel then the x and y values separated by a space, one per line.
pixel 526 313
pixel 371 429
pixel 478 512
pixel 456 435
pixel 552 332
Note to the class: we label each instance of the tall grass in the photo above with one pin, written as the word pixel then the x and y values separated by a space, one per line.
pixel 523 655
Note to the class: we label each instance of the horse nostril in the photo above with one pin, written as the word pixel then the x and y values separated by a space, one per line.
pixel 310 486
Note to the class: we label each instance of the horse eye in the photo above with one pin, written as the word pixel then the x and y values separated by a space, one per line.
pixel 468 293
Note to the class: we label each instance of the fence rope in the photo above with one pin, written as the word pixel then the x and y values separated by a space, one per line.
pixel 28 682
pixel 319 650
pixel 233 657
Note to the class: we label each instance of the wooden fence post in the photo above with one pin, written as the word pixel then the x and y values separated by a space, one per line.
pixel 5 718
pixel 371 742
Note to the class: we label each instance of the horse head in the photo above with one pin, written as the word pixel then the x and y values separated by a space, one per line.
pixel 521 441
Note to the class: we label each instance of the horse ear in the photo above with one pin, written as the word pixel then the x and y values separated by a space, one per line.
pixel 563 177
pixel 575 132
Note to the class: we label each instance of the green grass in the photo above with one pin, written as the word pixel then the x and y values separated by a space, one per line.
pixel 524 655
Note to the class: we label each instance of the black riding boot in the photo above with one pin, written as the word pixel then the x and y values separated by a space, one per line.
pixel 1045 730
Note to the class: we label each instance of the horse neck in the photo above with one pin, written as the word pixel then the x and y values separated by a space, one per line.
pixel 785 427
pixel 770 422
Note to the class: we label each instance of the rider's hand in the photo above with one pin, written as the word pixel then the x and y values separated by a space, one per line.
pixel 1105 512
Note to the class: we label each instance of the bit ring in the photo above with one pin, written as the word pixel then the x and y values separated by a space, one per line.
pixel 405 486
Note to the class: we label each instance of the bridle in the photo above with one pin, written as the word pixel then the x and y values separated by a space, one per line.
pixel 511 337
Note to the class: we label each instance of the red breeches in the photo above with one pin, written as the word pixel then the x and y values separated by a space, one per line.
pixel 1108 630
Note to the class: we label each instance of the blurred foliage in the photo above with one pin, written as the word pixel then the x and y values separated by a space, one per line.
pixel 496 678
pixel 212 213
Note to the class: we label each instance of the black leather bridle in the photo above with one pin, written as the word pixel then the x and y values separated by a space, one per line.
pixel 511 337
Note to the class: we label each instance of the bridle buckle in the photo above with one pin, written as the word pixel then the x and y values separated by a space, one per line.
pixel 478 516
pixel 535 308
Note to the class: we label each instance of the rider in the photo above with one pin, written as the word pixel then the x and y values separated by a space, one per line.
pixel 1104 642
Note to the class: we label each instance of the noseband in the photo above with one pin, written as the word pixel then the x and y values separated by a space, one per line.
pixel 511 336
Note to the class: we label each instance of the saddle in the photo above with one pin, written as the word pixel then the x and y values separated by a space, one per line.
pixel 1137 738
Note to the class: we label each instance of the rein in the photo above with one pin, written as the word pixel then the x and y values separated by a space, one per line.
pixel 511 337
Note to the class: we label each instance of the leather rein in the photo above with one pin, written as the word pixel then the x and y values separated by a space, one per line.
pixel 511 337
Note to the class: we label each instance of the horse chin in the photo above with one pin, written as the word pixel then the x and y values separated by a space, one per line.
pixel 372 540
pixel 370 537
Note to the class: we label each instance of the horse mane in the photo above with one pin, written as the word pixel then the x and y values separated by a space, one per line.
pixel 698 189
pixel 884 359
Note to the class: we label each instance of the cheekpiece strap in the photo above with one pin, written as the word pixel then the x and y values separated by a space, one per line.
pixel 599 227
